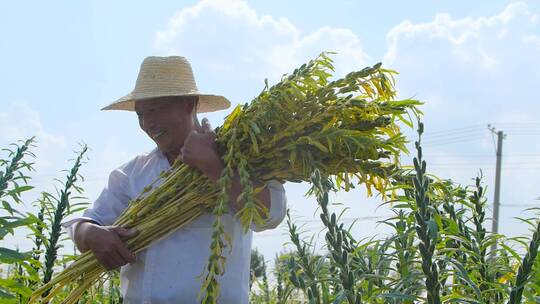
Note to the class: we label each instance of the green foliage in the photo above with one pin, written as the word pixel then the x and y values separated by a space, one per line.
pixel 257 267
pixel 526 267
pixel 426 226
pixel 305 266
pixel 305 128
pixel 13 182
pixel 437 254
pixel 340 243
pixel 59 207
pixel 25 270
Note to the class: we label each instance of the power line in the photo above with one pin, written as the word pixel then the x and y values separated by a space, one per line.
pixel 507 124
pixel 348 219
pixel 523 134
pixel 482 155
pixel 446 142
pixel 452 138
pixel 453 134
pixel 533 127
pixel 457 129
pixel 453 161
pixel 469 169
pixel 520 205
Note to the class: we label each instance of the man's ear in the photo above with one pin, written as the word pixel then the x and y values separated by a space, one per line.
pixel 192 104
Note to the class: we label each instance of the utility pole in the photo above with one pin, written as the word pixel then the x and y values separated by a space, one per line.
pixel 497 195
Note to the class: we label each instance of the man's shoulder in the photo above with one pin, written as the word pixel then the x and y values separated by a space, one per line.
pixel 141 161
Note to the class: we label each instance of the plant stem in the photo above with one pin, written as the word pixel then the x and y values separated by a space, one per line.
pixel 15 164
pixel 59 213
pixel 426 227
pixel 526 268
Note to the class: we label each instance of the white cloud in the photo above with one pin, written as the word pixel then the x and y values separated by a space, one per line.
pixel 480 65
pixel 534 40
pixel 231 45
pixel 19 122
pixel 471 71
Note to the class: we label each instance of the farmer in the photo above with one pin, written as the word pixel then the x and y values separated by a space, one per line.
pixel 166 100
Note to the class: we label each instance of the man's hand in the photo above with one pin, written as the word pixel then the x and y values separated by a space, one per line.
pixel 200 151
pixel 106 243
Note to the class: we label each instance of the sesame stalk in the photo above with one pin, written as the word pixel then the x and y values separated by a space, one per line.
pixel 526 267
pixel 426 227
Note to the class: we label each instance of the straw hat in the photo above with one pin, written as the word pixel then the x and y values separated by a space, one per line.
pixel 168 76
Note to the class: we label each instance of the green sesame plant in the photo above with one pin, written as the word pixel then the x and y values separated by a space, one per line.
pixel 14 180
pixel 438 252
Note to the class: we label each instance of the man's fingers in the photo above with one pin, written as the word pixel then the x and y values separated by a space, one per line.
pixel 118 229
pixel 124 233
pixel 110 260
pixel 208 129
pixel 104 261
pixel 184 155
pixel 206 125
pixel 117 260
pixel 198 127
pixel 125 253
pixel 182 151
pixel 132 232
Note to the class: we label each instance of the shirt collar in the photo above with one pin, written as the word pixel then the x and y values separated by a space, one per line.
pixel 160 156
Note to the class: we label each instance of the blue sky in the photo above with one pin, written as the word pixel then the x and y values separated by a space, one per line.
pixel 471 62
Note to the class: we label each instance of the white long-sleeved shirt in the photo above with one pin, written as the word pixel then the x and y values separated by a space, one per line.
pixel 171 270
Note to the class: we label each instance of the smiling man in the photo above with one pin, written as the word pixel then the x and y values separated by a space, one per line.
pixel 166 100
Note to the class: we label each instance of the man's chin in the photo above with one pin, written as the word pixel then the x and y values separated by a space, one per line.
pixel 167 148
pixel 161 146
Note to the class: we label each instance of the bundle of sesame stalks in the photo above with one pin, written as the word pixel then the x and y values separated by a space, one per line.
pixel 346 128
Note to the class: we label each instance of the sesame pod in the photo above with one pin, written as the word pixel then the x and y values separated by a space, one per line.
pixel 351 279
pixel 330 239
pixel 358 299
pixel 293 278
pixel 345 258
pixel 324 220
pixel 301 282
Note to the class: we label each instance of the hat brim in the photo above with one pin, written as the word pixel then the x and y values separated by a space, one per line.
pixel 207 102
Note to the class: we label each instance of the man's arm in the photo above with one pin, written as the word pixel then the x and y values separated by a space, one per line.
pixel 91 231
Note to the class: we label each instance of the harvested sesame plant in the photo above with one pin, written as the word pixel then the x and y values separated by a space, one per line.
pixel 347 129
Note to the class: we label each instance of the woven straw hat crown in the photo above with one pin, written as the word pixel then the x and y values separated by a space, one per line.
pixel 167 76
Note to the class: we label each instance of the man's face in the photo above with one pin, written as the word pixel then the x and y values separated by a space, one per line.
pixel 167 120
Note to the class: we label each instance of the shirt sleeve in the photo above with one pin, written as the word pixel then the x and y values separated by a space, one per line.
pixel 278 207
pixel 112 201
